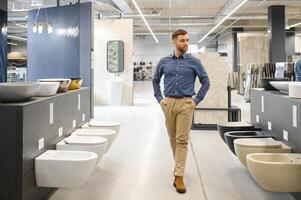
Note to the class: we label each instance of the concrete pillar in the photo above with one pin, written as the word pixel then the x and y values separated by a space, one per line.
pixel 235 58
pixel 235 48
pixel 276 30
pixel 290 42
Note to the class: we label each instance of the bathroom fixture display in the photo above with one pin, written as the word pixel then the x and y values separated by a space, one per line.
pixel 67 169
pixel 224 127
pixel 115 56
pixel 243 147
pixel 276 172
pixel 47 89
pixel 97 145
pixel 20 147
pixel 233 135
pixel 13 92
pixel 282 86
pixel 115 88
pixel 112 125
pixel 64 83
pixel 295 90
pixel 110 135
pixel 75 83
pixel 265 82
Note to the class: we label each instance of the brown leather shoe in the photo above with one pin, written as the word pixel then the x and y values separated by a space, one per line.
pixel 179 184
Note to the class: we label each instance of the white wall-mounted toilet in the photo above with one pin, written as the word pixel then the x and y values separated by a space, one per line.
pixel 243 147
pixel 55 168
pixel 276 172
pixel 97 145
pixel 103 125
pixel 110 135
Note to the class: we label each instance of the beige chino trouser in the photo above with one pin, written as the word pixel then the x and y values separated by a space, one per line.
pixel 178 115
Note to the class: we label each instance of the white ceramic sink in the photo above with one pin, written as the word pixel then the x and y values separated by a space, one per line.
pixel 48 89
pixel 282 86
pixel 115 92
pixel 64 83
pixel 12 92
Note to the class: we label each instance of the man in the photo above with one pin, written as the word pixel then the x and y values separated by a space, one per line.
pixel 298 70
pixel 180 71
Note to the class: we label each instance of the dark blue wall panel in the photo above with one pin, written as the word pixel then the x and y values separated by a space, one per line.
pixel 86 43
pixel 54 55
pixel 3 45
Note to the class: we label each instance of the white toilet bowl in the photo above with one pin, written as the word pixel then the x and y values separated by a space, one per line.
pixel 97 145
pixel 55 168
pixel 103 125
pixel 110 135
pixel 276 172
pixel 246 146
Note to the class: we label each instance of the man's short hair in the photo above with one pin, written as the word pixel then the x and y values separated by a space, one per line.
pixel 178 32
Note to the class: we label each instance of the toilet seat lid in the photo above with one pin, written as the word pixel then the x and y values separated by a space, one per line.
pixel 94 132
pixel 103 123
pixel 85 140
pixel 258 142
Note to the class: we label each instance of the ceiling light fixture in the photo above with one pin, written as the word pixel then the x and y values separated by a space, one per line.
pixel 16 38
pixel 20 25
pixel 224 29
pixel 40 28
pixel 50 28
pixel 34 28
pixel 4 30
pixel 147 25
pixel 13 44
pixel 294 25
pixel 224 19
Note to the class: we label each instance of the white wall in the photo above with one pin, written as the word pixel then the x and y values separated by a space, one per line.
pixel 105 30
pixel 298 44
pixel 146 49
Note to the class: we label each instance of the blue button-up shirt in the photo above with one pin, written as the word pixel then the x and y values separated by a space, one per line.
pixel 179 77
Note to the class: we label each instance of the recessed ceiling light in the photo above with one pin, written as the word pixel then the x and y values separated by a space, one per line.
pixel 224 19
pixel 146 23
pixel 11 43
pixel 294 25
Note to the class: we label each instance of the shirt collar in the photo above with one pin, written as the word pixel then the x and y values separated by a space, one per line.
pixel 185 55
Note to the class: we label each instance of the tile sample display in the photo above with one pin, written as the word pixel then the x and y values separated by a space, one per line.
pixel 217 96
pixel 253 49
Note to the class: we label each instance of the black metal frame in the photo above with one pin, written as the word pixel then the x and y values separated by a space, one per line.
pixel 234 115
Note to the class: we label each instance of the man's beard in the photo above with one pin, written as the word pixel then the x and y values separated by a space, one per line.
pixel 183 50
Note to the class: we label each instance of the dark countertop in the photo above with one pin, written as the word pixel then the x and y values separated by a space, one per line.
pixel 39 99
pixel 284 95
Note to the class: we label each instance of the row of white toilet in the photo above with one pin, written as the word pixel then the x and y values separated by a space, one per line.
pixel 76 156
pixel 271 163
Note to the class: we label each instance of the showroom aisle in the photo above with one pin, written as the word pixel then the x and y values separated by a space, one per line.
pixel 139 165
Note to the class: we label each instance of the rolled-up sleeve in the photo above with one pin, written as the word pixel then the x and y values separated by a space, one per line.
pixel 156 82
pixel 204 80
